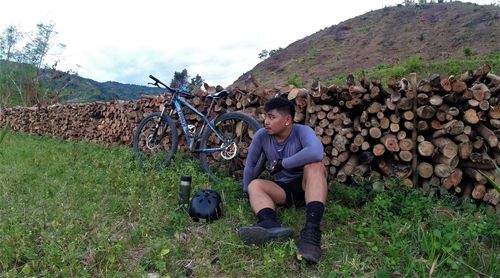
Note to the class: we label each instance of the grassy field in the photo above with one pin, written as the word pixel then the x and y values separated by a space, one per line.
pixel 73 209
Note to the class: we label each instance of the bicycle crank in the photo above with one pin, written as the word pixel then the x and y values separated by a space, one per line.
pixel 230 151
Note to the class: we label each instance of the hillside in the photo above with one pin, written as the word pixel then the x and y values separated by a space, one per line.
pixel 376 40
pixel 70 87
pixel 80 89
pixel 385 37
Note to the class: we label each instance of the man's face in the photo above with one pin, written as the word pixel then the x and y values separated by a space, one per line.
pixel 275 122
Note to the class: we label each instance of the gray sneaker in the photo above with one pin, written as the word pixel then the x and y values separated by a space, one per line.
pixel 259 236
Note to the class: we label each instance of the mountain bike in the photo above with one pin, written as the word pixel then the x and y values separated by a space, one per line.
pixel 221 143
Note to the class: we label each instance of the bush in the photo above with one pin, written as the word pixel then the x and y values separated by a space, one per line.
pixel 467 51
pixel 421 37
pixel 295 81
pixel 454 67
pixel 414 64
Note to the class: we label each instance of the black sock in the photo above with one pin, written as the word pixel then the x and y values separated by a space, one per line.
pixel 314 212
pixel 267 218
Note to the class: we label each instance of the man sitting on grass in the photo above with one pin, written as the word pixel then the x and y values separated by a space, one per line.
pixel 295 155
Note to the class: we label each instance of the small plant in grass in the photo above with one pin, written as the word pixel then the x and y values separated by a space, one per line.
pixel 491 180
pixel 454 67
pixel 414 63
pixel 467 52
pixel 295 81
pixel 398 72
pixel 339 80
pixel 421 37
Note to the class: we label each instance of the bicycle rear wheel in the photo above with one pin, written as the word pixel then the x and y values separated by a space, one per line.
pixel 155 141
pixel 238 130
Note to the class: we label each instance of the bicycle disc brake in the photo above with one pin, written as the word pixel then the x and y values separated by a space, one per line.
pixel 230 151
pixel 151 142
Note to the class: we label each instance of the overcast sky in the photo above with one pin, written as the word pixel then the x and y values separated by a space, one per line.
pixel 126 40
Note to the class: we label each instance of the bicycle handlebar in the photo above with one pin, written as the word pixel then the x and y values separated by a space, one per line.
pixel 177 91
pixel 157 81
pixel 154 78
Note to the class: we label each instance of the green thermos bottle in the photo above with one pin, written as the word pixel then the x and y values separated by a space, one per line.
pixel 185 190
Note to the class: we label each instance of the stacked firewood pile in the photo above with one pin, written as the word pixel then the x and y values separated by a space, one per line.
pixel 106 123
pixel 99 122
pixel 438 132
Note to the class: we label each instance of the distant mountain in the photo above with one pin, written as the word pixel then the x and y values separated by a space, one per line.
pixel 384 38
pixel 80 89
pixel 67 87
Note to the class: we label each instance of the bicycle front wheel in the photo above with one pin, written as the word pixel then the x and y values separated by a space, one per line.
pixel 238 130
pixel 155 141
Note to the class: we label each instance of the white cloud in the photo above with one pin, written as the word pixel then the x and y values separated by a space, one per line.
pixel 126 40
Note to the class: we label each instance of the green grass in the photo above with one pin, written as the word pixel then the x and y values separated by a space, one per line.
pixel 4 131
pixel 73 209
pixel 295 80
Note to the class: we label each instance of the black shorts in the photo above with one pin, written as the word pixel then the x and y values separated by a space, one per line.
pixel 294 193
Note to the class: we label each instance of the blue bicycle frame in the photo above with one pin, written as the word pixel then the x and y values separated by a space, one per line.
pixel 177 102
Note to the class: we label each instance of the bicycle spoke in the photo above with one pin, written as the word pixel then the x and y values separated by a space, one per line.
pixel 155 142
pixel 237 132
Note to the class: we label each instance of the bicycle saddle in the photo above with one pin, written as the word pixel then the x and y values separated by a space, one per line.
pixel 221 94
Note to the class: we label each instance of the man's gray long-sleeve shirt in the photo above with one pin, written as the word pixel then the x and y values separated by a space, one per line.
pixel 300 148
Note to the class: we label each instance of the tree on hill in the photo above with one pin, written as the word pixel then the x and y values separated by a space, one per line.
pixel 196 82
pixel 181 79
pixel 20 82
pixel 422 2
pixel 264 54
pixel 35 51
pixel 8 41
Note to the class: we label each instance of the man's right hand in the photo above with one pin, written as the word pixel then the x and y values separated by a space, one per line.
pixel 276 167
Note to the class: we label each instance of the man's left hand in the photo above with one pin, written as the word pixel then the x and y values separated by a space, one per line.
pixel 244 196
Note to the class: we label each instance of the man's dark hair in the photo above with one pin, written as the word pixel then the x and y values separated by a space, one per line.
pixel 281 104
